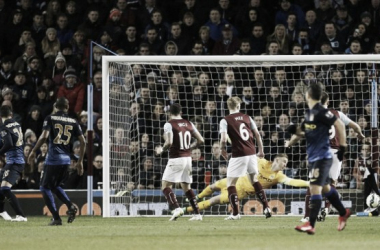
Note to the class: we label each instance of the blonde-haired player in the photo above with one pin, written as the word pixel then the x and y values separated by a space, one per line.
pixel 242 131
pixel 270 174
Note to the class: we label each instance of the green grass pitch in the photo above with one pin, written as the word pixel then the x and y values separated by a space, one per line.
pixel 211 233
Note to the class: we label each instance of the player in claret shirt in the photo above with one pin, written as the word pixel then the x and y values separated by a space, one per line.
pixel 315 128
pixel 178 133
pixel 241 130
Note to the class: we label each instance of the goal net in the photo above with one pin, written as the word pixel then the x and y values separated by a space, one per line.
pixel 138 91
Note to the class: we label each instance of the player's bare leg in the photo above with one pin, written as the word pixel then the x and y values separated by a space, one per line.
pixel 233 198
pixel 260 193
pixel 172 200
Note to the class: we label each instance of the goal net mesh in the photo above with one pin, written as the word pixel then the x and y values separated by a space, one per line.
pixel 138 96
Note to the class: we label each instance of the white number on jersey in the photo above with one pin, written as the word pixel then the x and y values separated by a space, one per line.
pixel 244 134
pixel 184 140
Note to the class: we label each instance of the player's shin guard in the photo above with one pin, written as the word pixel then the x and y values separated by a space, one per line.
pixel 193 202
pixel 170 197
pixel 12 200
pixel 261 194
pixel 307 203
pixel 206 192
pixel 50 202
pixel 62 196
pixel 233 198
pixel 315 206
pixel 333 197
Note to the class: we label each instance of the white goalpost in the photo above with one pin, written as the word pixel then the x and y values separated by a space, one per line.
pixel 137 91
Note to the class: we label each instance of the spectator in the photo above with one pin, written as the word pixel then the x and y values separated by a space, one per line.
pixel 50 46
pixel 34 120
pixel 64 33
pixel 170 49
pixel 74 17
pixel 324 11
pixel 127 15
pixel 162 28
pixel 92 25
pixel 74 180
pixel 287 7
pixel 78 43
pixel 198 170
pixel 73 90
pixel 145 13
pixel 179 39
pixel 97 171
pixel 30 138
pixel 250 102
pixel 292 26
pixel 361 33
pixel 211 121
pixel 20 47
pixel 313 25
pixel 21 62
pixel 273 48
pixel 216 25
pixel 189 26
pixel 129 41
pixel 58 69
pixel 44 101
pixel 156 45
pixel 331 35
pixel 343 21
pixel 207 42
pixel 214 159
pixel 148 177
pixel 246 23
pixel 257 39
pixel 13 30
pixel 52 11
pixel 261 127
pixel 25 91
pixel 273 146
pixel 279 35
pixel 275 100
pixel 229 44
pixel 245 48
pixel 6 73
pixel 34 74
pixel 144 50
pixel 197 49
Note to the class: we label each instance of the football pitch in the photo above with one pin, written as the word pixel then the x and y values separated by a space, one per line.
pixel 211 233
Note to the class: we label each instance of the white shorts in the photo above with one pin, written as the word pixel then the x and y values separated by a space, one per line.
pixel 178 170
pixel 336 166
pixel 239 166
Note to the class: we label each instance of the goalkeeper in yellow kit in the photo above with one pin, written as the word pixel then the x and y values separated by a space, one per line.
pixel 270 173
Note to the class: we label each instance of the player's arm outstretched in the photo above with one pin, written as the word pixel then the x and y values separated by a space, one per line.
pixel 348 122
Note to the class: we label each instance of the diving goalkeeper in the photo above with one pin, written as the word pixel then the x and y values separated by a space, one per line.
pixel 270 173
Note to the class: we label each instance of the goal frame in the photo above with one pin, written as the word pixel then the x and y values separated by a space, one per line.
pixel 264 60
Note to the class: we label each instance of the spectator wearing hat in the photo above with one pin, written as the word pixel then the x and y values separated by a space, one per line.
pixel 50 46
pixel 8 95
pixel 216 25
pixel 58 69
pixel 25 91
pixel 38 27
pixel 21 62
pixel 33 120
pixel 82 120
pixel 343 21
pixel 114 25
pixel 34 71
pixel 64 33
pixel 30 137
pixel 6 75
pixel 73 91
pixel 229 44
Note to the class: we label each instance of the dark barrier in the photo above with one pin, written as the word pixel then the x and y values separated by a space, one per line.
pixel 151 202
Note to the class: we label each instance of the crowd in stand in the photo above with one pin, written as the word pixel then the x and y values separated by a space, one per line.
pixel 44 54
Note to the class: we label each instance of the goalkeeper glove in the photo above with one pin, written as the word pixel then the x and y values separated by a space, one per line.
pixel 341 152
pixel 292 129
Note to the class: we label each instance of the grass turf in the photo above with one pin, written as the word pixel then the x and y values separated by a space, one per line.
pixel 211 233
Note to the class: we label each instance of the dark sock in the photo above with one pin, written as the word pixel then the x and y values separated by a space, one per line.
pixel 327 202
pixel 233 198
pixel 62 196
pixel 307 203
pixel 315 206
pixel 50 202
pixel 260 194
pixel 13 201
pixel 2 201
pixel 170 197
pixel 193 202
pixel 333 197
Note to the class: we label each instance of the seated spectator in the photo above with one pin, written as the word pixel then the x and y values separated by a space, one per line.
pixel 25 91
pixel 34 71
pixel 343 21
pixel 313 25
pixel 64 33
pixel 114 25
pixel 144 50
pixel 286 7
pixel 30 137
pixel 58 69
pixel 292 27
pixel 364 125
pixel 221 172
pixel 129 41
pixel 245 48
pixel 170 49
pixel 21 62
pixel 272 48
pixel 92 24
pixel 155 44
pixel 97 171
pixel 261 127
pixel 38 27
pixel 74 91
pixel 20 47
pixel 228 44
pixel 363 164
pixel 250 103
pixel 157 23
pixel 44 102
pixel 79 44
pixel 146 146
pixel 74 180
pixel 332 36
pixel 257 39
pixel 189 26
pixel 361 33
pixel 179 39
pixel 273 146
pixel 216 25
pixel 281 126
pixel 52 11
